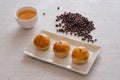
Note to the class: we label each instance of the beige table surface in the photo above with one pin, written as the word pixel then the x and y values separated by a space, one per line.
pixel 15 65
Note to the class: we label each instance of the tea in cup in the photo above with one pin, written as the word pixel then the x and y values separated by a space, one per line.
pixel 26 17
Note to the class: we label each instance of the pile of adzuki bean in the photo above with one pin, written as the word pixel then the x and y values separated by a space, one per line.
pixel 75 24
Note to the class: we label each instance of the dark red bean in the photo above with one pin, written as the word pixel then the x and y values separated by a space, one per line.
pixel 95 39
pixel 76 24
pixel 57 25
pixel 43 13
pixel 58 8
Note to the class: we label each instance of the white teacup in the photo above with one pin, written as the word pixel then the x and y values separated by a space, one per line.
pixel 26 17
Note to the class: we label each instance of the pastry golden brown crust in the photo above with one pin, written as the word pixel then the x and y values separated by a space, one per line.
pixel 42 42
pixel 61 48
pixel 80 55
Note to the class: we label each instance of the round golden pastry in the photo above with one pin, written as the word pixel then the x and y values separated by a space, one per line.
pixel 61 49
pixel 42 42
pixel 80 55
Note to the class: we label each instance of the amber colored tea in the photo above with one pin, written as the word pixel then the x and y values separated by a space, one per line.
pixel 26 14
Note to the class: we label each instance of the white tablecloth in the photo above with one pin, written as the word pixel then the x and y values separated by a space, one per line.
pixel 15 65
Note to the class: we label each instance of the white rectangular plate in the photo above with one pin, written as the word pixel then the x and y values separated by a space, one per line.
pixel 48 55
